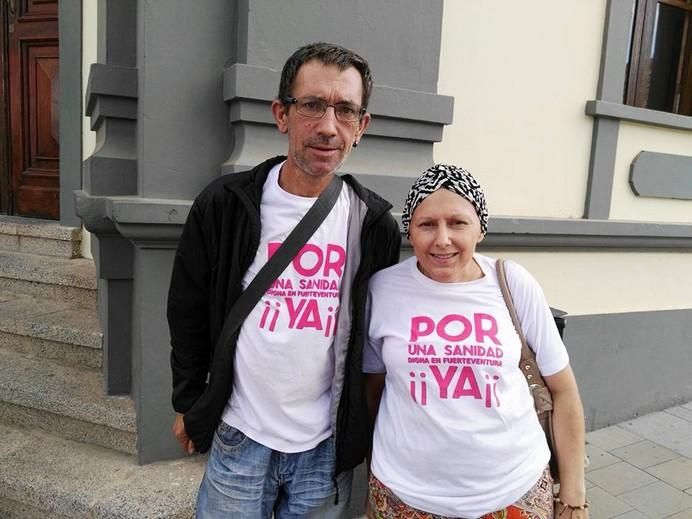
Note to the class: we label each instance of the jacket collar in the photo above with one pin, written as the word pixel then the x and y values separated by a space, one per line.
pixel 251 186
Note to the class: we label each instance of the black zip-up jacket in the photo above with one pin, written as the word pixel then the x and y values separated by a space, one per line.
pixel 219 242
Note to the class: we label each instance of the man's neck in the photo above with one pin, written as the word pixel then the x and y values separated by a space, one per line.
pixel 301 184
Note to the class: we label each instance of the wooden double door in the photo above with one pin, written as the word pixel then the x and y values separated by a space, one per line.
pixel 29 109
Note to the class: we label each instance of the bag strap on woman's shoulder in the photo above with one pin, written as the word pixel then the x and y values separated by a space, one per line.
pixel 527 364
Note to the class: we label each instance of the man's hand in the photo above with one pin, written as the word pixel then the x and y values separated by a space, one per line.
pixel 181 435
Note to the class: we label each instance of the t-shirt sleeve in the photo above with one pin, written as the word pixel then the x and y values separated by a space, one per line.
pixel 536 320
pixel 372 350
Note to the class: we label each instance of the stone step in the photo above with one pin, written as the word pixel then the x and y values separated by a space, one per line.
pixel 51 330
pixel 44 476
pixel 18 234
pixel 57 279
pixel 37 393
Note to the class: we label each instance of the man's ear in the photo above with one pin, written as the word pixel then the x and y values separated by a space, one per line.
pixel 362 125
pixel 280 113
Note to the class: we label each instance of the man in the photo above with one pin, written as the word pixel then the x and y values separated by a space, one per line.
pixel 283 406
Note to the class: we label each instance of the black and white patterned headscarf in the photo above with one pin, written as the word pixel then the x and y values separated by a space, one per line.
pixel 453 178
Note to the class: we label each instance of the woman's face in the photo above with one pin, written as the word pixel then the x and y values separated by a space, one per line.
pixel 444 232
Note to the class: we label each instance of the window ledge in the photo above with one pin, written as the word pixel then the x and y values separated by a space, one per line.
pixel 638 115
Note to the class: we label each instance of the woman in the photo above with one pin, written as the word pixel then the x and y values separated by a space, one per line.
pixel 456 433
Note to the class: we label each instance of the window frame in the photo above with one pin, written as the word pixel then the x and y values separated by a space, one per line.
pixel 637 80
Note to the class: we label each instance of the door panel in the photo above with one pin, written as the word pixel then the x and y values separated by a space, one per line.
pixel 34 91
pixel 5 179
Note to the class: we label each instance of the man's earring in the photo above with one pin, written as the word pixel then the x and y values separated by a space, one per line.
pixel 355 144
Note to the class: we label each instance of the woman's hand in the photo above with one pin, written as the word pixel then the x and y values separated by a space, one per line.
pixel 568 432
pixel 563 511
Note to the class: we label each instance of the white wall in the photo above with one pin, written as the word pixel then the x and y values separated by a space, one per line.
pixel 521 73
pixel 591 282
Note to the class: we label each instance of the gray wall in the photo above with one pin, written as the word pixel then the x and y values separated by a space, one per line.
pixel 186 96
pixel 70 30
pixel 630 364
pixel 183 134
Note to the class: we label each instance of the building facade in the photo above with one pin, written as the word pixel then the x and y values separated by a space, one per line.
pixel 589 190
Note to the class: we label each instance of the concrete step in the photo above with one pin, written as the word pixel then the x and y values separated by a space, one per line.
pixel 57 279
pixel 36 393
pixel 42 476
pixel 51 330
pixel 45 237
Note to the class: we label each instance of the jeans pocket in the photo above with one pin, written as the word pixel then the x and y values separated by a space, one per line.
pixel 229 437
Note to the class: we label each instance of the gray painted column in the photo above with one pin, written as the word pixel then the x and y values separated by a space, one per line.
pixel 183 136
pixel 614 55
pixel 408 114
pixel 183 131
pixel 70 29
pixel 152 380
pixel 111 170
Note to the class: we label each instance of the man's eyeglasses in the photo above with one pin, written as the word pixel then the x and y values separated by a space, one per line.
pixel 316 107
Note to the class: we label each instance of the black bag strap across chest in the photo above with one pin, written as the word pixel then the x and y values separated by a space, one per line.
pixel 275 265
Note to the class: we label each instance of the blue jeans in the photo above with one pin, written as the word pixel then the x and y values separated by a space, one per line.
pixel 244 479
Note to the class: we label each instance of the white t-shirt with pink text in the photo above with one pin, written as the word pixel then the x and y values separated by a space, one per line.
pixel 456 432
pixel 284 361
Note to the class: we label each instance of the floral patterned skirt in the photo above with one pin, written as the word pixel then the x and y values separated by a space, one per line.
pixel 537 503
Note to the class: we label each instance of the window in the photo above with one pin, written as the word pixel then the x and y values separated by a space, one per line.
pixel 659 70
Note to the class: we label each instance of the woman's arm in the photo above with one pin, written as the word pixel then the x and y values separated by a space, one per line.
pixel 374 385
pixel 568 429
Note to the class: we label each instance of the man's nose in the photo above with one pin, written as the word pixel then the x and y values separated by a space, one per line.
pixel 328 122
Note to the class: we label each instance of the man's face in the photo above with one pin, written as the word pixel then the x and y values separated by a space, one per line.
pixel 317 147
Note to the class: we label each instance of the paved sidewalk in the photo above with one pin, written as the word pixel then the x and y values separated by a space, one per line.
pixel 642 468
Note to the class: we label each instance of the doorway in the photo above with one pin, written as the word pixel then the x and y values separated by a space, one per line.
pixel 29 109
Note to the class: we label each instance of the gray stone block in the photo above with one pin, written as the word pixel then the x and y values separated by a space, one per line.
pixel 685 514
pixel 632 514
pixel 11 509
pixel 12 439
pixel 58 279
pixel 612 437
pixel 79 272
pixel 658 500
pixel 62 353
pixel 681 412
pixel 68 427
pixel 73 295
pixel 42 384
pixel 620 477
pixel 39 237
pixel 599 458
pixel 644 454
pixel 47 247
pixel 66 400
pixel 605 506
pixel 676 472
pixel 665 429
pixel 38 228
pixel 78 327
pixel 64 478
pixel 9 242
